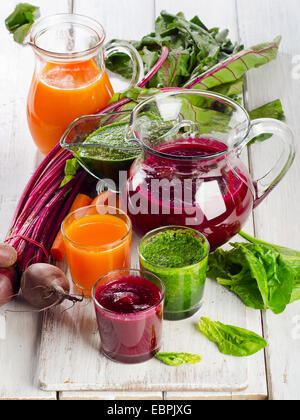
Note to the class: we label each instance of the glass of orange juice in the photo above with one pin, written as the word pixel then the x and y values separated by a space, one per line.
pixel 97 240
pixel 69 79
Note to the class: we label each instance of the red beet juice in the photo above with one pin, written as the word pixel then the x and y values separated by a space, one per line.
pixel 213 195
pixel 129 312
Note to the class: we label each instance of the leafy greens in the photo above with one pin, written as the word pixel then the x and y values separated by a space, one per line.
pixel 233 341
pixel 263 275
pixel 193 49
pixel 21 19
pixel 177 359
pixel 198 58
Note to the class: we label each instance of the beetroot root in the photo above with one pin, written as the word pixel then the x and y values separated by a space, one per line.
pixel 9 284
pixel 8 256
pixel 44 286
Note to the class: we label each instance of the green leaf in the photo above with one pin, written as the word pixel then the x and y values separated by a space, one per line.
pixel 289 256
pixel 20 21
pixel 120 63
pixel 21 32
pixel 277 287
pixel 256 273
pixel 173 70
pixel 226 269
pixel 233 68
pixel 177 359
pixel 71 168
pixel 193 48
pixel 233 341
pixel 296 292
pixel 208 120
pixel 270 110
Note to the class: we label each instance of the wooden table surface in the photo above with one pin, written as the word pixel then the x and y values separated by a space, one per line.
pixel 273 374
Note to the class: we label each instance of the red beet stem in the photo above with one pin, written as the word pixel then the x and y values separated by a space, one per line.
pixel 116 106
pixel 57 217
pixel 32 209
pixel 155 68
pixel 38 172
pixel 42 221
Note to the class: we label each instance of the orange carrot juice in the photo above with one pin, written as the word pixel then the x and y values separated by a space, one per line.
pixel 60 93
pixel 96 244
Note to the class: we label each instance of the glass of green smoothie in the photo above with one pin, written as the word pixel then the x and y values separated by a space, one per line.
pixel 178 256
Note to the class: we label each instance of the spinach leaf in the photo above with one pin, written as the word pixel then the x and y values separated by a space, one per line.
pixel 233 341
pixel 237 278
pixel 256 273
pixel 289 256
pixel 177 359
pixel 20 21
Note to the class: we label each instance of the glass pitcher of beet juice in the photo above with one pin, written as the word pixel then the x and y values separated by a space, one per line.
pixel 190 172
pixel 69 79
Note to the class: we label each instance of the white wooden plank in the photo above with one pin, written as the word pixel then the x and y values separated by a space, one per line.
pixel 19 350
pixel 111 14
pixel 277 219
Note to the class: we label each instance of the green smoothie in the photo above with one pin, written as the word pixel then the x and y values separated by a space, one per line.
pixel 178 256
pixel 105 151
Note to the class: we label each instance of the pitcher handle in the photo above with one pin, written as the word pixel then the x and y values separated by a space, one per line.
pixel 126 48
pixel 265 184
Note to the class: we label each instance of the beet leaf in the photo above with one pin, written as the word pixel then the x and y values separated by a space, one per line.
pixel 193 49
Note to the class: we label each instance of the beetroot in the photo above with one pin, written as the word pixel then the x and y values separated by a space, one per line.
pixel 9 284
pixel 8 256
pixel 44 286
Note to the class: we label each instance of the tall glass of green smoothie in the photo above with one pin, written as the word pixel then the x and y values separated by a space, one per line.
pixel 178 256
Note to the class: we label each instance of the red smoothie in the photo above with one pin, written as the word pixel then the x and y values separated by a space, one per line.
pixel 129 312
pixel 212 195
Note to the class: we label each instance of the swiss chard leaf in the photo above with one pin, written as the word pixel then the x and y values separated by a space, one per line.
pixel 177 359
pixel 208 120
pixel 233 341
pixel 233 68
pixel 193 49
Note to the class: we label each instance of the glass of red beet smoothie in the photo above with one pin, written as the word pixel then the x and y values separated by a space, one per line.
pixel 129 308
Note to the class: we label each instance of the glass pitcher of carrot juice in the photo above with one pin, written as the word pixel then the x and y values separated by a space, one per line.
pixel 69 79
